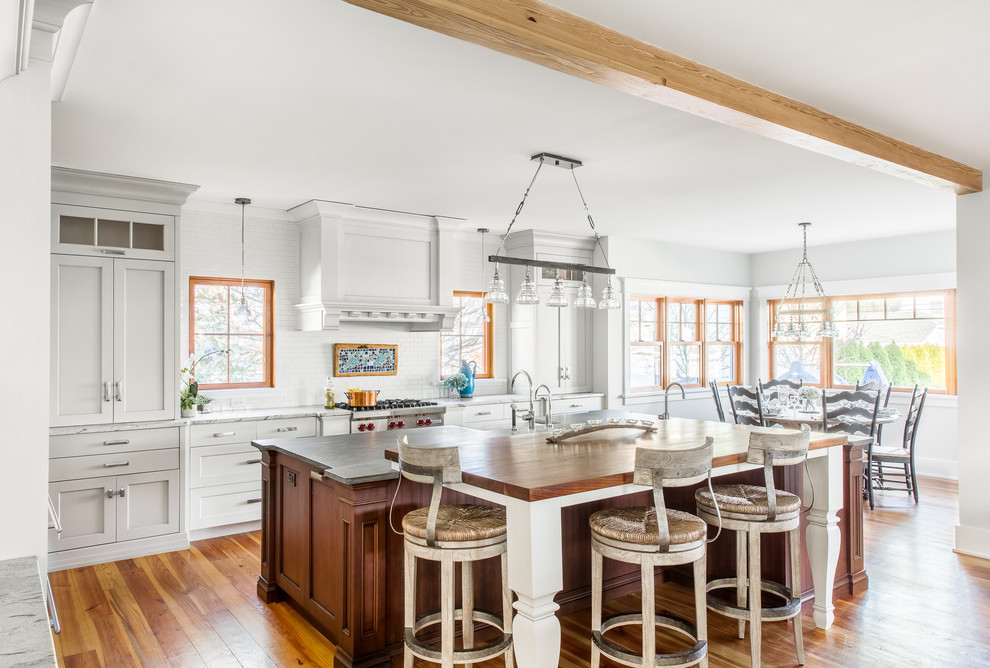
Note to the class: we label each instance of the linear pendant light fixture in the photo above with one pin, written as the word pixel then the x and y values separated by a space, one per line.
pixel 802 313
pixel 527 295
pixel 243 309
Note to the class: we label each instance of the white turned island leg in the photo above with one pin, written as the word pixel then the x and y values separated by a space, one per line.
pixel 823 536
pixel 535 575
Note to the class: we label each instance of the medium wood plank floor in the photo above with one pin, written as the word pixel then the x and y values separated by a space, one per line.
pixel 926 606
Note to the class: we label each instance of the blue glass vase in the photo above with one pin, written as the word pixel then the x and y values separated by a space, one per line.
pixel 468 369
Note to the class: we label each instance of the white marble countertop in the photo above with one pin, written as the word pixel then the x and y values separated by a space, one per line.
pixel 207 418
pixel 481 399
pixel 23 617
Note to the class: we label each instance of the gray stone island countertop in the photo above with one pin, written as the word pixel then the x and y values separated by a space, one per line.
pixel 355 458
pixel 23 616
pixel 207 418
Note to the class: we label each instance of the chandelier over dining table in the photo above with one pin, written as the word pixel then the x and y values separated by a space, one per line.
pixel 496 293
pixel 804 312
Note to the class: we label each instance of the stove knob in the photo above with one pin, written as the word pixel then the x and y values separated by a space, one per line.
pixel 429 421
pixel 421 422
pixel 400 424
pixel 362 427
pixel 391 425
pixel 371 427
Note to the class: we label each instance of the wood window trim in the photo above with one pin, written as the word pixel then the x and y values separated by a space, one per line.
pixel 826 352
pixel 700 340
pixel 269 327
pixel 488 347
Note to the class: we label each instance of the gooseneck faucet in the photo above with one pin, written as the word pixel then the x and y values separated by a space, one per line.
pixel 666 398
pixel 531 416
pixel 548 405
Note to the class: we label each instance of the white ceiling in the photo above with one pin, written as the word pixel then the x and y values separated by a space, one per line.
pixel 294 100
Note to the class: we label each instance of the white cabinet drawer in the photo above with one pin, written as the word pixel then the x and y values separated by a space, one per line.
pixel 219 433
pixel 110 442
pixel 224 464
pixel 73 468
pixel 483 413
pixel 287 427
pixel 576 405
pixel 218 505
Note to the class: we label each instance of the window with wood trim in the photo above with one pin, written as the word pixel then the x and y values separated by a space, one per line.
pixel 472 337
pixel 232 345
pixel 689 341
pixel 905 338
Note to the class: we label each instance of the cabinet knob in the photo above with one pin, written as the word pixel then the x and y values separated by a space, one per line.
pixel 120 442
pixel 221 434
pixel 280 429
pixel 255 500
pixel 112 251
pixel 116 464
pixel 253 461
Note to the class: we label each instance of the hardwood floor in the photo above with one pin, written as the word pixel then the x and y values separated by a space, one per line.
pixel 926 606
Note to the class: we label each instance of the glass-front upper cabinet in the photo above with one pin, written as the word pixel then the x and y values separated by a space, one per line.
pixel 80 230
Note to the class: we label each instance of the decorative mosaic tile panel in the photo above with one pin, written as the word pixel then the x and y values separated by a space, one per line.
pixel 359 359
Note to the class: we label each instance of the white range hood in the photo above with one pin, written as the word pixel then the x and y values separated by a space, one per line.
pixel 369 265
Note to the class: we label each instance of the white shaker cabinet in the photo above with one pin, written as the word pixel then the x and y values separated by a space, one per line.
pixel 113 340
pixel 564 347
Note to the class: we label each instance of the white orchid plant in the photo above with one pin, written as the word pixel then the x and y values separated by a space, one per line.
pixel 189 395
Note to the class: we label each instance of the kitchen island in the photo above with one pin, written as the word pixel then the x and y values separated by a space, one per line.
pixel 327 545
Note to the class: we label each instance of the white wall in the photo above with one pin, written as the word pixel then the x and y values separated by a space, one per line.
pixel 210 246
pixel 25 194
pixel 973 229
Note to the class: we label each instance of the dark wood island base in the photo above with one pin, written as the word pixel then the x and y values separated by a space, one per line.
pixel 328 549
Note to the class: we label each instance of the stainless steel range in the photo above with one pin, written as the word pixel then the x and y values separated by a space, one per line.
pixel 391 414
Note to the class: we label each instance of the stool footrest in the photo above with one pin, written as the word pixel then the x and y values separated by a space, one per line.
pixel 431 653
pixel 623 655
pixel 791 608
pixel 477 615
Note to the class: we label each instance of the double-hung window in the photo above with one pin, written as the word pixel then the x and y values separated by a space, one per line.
pixel 471 338
pixel 906 338
pixel 233 344
pixel 689 341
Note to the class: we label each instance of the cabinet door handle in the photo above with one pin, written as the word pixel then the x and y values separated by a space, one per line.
pixel 121 442
pixel 120 492
pixel 221 434
pixel 116 464
pixel 255 500
pixel 119 390
pixel 253 461
pixel 106 390
pixel 110 493
pixel 483 413
pixel 280 429
pixel 112 251
pixel 576 405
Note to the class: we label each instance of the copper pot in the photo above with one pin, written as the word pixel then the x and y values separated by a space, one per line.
pixel 363 397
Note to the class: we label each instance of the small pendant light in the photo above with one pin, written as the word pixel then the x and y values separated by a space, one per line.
pixel 243 309
pixel 557 297
pixel 527 293
pixel 585 298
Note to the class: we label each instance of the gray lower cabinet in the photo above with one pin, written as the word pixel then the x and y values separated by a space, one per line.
pixel 114 486
pixel 225 469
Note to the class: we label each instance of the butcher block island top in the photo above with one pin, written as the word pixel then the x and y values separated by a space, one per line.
pixel 525 466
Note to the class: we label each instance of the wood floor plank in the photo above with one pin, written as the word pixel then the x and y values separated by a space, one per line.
pixel 201 606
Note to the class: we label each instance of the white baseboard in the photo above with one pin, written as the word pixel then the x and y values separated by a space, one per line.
pixel 225 530
pixel 973 541
pixel 947 469
pixel 128 549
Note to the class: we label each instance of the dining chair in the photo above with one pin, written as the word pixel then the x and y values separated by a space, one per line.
pixel 780 382
pixel 747 405
pixel 886 461
pixel 718 400
pixel 854 413
pixel 885 391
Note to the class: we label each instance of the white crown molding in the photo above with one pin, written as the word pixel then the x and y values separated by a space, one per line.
pixel 358 213
pixel 66 180
pixel 229 208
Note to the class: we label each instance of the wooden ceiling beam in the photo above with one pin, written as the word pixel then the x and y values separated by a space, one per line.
pixel 551 37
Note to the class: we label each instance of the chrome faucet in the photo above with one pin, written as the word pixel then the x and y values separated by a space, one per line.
pixel 666 399
pixel 548 404
pixel 531 416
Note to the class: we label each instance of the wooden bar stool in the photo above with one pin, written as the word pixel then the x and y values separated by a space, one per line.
pixel 653 536
pixel 451 534
pixel 751 511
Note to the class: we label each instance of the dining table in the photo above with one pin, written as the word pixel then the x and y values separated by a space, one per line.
pixel 792 417
pixel 535 479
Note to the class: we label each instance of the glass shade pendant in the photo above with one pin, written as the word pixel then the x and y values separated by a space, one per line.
pixel 609 299
pixel 584 299
pixel 496 290
pixel 243 310
pixel 527 293
pixel 557 297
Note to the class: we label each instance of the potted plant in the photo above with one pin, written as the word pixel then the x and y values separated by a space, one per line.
pixel 188 396
pixel 456 381
pixel 809 395
pixel 202 403
pixel 187 402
